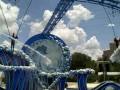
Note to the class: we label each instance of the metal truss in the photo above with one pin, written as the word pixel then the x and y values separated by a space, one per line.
pixel 114 4
pixel 64 5
pixel 59 12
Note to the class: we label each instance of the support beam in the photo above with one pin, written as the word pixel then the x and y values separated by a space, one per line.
pixel 64 5
pixel 114 4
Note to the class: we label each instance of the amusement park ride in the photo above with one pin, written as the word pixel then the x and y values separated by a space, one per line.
pixel 46 56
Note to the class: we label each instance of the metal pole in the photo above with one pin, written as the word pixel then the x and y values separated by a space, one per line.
pixel 82 81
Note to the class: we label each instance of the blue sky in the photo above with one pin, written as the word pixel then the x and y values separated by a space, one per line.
pixel 96 26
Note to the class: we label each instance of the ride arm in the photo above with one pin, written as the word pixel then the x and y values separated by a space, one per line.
pixel 114 4
pixel 58 13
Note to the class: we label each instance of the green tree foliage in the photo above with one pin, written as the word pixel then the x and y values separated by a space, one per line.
pixel 81 61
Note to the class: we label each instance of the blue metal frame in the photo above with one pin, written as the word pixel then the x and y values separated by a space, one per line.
pixel 82 81
pixel 63 46
pixel 106 84
pixel 113 4
pixel 61 83
pixel 16 78
pixel 64 5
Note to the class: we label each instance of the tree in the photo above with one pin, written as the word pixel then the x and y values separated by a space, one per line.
pixel 81 61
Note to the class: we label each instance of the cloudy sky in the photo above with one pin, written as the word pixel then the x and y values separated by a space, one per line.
pixel 85 28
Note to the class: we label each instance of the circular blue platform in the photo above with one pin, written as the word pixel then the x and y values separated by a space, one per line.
pixel 55 52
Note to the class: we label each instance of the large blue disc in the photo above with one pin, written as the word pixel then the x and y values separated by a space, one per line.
pixel 56 52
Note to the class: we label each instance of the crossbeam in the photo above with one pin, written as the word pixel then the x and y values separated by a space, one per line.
pixel 114 4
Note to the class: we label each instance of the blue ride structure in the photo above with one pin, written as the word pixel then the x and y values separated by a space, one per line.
pixel 46 59
pixel 64 5
pixel 45 41
pixel 17 68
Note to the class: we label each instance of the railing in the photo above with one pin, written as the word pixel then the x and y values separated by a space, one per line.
pixel 61 79
pixel 18 69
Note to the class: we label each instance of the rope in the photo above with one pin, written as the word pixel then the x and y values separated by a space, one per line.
pixel 26 11
pixel 15 2
pixel 110 21
pixel 4 18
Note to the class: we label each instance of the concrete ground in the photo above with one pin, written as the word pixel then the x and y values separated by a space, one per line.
pixel 74 86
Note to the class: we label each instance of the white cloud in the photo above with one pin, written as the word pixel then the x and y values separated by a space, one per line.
pixel 24 19
pixel 46 16
pixel 38 26
pixel 27 17
pixel 76 38
pixel 92 48
pixel 11 14
pixel 77 14
pixel 92 43
pixel 69 35
pixel 111 25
